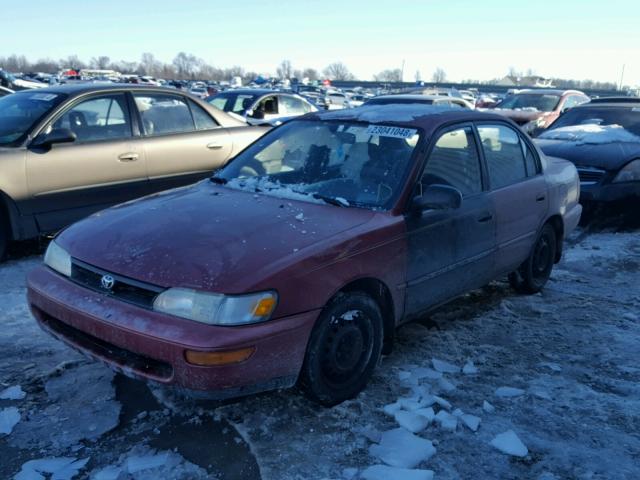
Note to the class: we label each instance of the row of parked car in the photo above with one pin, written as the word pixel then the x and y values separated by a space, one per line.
pixel 295 261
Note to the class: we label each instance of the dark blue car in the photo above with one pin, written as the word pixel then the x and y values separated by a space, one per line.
pixel 602 138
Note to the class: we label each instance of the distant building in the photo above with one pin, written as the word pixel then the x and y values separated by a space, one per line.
pixel 529 81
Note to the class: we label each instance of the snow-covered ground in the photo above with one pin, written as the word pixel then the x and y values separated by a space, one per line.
pixel 492 386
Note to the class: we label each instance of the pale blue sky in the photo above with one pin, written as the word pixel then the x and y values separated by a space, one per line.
pixel 468 39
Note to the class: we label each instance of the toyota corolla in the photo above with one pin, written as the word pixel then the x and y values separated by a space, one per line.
pixel 296 261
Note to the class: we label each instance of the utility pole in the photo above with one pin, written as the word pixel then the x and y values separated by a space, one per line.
pixel 621 77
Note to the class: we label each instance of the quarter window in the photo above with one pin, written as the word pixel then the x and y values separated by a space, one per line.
pixel 454 161
pixel 503 153
pixel 99 118
pixel 163 114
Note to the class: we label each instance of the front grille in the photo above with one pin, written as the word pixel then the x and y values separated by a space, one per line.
pixel 590 175
pixel 126 289
pixel 119 356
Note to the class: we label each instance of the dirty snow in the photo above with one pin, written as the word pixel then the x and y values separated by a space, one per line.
pixel 384 472
pixel 591 133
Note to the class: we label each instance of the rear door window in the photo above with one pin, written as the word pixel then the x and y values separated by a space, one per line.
pixel 164 114
pixel 202 119
pixel 503 153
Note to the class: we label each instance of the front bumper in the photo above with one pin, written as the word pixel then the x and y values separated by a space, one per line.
pixel 151 345
pixel 608 192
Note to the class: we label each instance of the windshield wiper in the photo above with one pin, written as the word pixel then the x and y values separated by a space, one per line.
pixel 331 200
pixel 218 180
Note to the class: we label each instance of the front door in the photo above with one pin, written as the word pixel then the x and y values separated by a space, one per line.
pixel 104 166
pixel 451 251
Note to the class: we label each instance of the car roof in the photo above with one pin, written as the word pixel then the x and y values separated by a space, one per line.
pixel 415 96
pixel 425 117
pixel 82 88
pixel 253 91
pixel 615 101
pixel 549 91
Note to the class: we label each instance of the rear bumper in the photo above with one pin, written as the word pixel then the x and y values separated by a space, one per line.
pixel 150 345
pixel 610 192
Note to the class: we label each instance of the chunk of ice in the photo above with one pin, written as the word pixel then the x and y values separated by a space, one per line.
pixel 442 402
pixel 383 472
pixel 112 472
pixel 392 408
pixel 412 421
pixel 487 407
pixel 444 367
pixel 400 448
pixel 136 463
pixel 9 417
pixel 471 421
pixel 446 385
pixel 509 443
pixel 424 372
pixel 428 413
pixel 12 393
pixel 61 468
pixel 469 368
pixel 508 392
pixel 446 420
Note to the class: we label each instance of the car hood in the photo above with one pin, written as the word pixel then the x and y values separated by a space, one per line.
pixel 207 237
pixel 607 156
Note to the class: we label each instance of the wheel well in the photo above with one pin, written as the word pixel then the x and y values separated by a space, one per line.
pixel 558 225
pixel 381 294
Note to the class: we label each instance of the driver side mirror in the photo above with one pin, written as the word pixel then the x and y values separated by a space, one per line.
pixel 57 135
pixel 437 197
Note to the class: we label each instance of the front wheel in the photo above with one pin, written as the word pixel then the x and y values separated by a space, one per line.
pixel 343 350
pixel 534 273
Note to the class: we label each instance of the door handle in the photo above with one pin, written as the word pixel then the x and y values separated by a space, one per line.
pixel 214 146
pixel 541 197
pixel 485 218
pixel 128 157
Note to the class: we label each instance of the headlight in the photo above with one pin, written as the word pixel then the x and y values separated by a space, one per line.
pixel 58 259
pixel 630 172
pixel 216 309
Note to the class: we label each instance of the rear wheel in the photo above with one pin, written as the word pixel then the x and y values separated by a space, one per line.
pixel 534 273
pixel 343 350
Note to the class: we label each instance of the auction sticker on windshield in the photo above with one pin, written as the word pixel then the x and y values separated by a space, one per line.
pixel 395 132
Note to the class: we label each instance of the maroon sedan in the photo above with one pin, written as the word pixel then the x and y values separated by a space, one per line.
pixel 297 261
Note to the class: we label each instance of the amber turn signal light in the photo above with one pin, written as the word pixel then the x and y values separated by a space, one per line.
pixel 206 359
pixel 264 307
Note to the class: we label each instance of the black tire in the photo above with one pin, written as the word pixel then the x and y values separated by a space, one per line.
pixel 534 273
pixel 344 349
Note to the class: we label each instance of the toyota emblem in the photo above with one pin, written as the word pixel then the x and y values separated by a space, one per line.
pixel 107 282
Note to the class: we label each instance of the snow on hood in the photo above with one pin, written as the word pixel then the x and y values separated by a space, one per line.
pixel 591 134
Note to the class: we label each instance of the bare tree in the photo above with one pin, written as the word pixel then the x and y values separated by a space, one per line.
pixel 417 76
pixel 338 71
pixel 394 75
pixel 73 61
pixel 310 73
pixel 100 63
pixel 187 65
pixel 284 70
pixel 149 65
pixel 513 72
pixel 439 76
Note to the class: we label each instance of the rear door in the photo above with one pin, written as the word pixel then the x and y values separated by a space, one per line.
pixel 518 191
pixel 451 251
pixel 104 166
pixel 182 142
